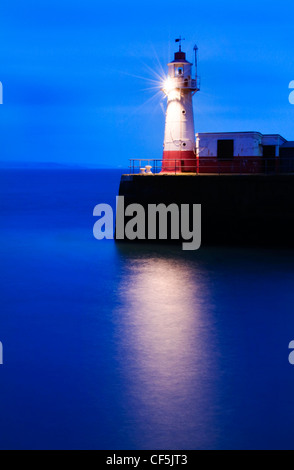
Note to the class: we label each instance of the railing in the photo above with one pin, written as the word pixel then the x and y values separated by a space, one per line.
pixel 136 165
pixel 213 165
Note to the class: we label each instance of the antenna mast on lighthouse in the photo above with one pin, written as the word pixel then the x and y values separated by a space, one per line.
pixel 195 49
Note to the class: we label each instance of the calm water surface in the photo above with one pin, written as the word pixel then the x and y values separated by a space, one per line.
pixel 111 346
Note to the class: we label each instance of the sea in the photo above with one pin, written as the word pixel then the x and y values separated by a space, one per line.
pixel 119 346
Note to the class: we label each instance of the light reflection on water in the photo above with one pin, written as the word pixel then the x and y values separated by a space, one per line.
pixel 193 335
pixel 166 333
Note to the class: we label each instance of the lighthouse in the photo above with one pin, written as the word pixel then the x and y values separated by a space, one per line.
pixel 179 136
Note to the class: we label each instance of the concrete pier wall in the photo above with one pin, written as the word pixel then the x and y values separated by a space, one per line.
pixel 236 209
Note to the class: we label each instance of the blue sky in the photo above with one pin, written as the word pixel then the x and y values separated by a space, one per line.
pixel 78 76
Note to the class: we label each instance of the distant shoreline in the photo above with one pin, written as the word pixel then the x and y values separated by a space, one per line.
pixel 50 166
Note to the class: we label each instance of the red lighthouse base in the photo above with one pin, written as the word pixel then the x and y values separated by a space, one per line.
pixel 179 161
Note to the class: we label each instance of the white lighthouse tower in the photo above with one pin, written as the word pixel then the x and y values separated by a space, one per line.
pixel 179 136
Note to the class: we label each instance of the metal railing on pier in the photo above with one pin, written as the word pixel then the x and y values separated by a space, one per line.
pixel 213 165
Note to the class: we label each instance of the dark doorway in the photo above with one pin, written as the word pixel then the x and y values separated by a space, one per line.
pixel 269 154
pixel 269 151
pixel 225 149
